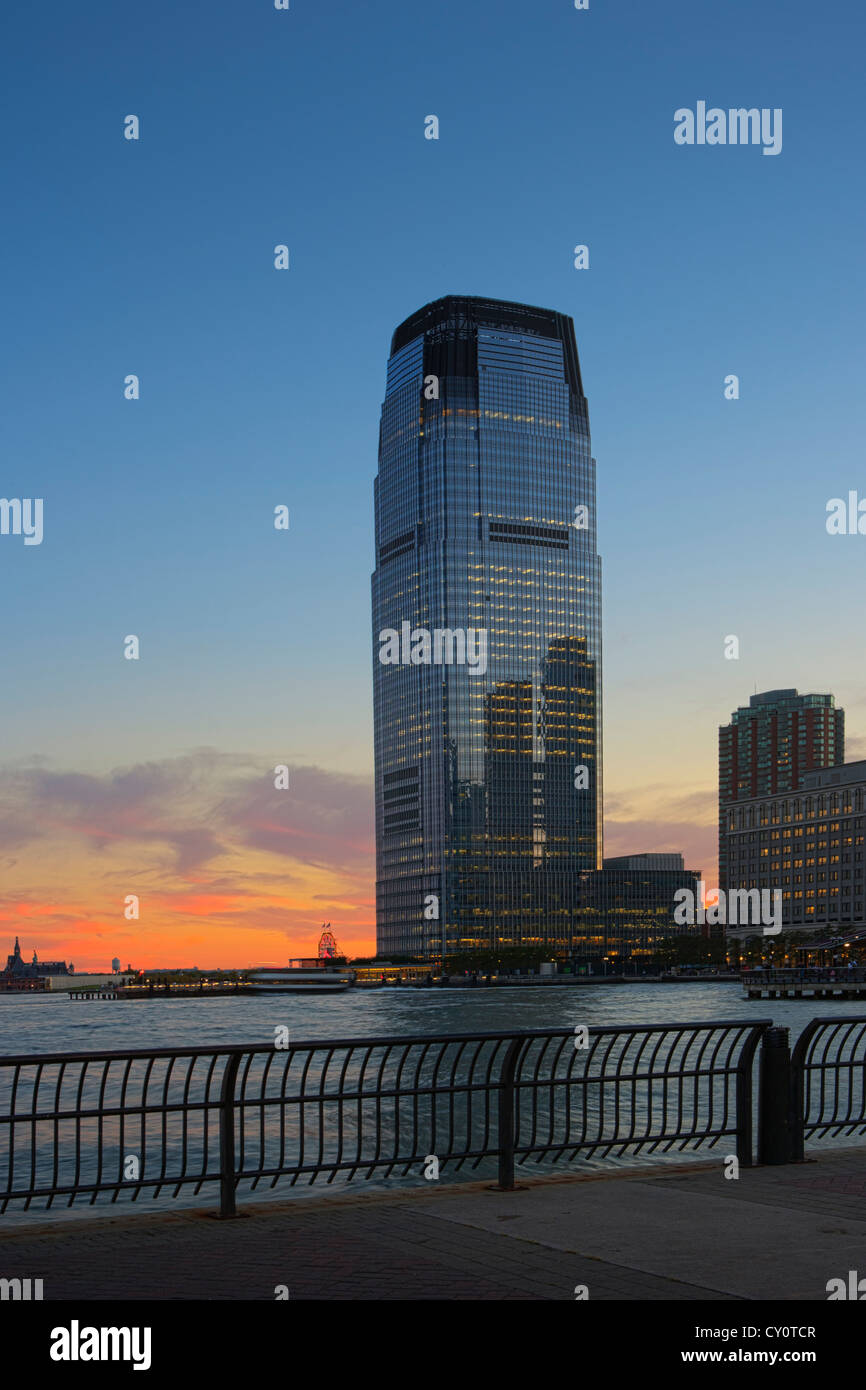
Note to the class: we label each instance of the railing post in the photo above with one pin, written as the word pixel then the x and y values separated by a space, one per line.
pixel 227 1136
pixel 797 1102
pixel 743 1100
pixel 506 1115
pixel 774 1099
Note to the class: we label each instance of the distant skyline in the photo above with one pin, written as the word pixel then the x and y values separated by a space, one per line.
pixel 262 387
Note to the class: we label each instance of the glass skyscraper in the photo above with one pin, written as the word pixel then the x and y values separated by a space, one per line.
pixel 486 633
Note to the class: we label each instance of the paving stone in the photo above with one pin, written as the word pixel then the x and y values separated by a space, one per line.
pixel 451 1244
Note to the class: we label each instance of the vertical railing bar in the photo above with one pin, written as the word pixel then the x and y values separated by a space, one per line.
pixel 122 1126
pixel 210 1105
pixel 241 1105
pixel 650 1087
pixel 385 1061
pixel 184 1129
pixel 507 1086
pixel 260 1103
pixel 33 1107
pixel 57 1115
pixel 553 1089
pixel 451 1093
pixel 282 1110
pixel 302 1112
pixel 228 1205
pixel 82 1076
pixel 320 1099
pixel 13 1111
pixel 348 1058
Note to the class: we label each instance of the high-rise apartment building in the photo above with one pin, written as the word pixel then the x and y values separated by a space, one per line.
pixel 767 750
pixel 486 633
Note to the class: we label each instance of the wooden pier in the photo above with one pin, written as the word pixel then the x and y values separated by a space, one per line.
pixel 166 991
pixel 812 984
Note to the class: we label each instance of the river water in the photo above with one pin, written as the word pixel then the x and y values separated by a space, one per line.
pixel 55 1023
pixel 52 1024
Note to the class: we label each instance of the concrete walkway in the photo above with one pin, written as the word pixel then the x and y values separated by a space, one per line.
pixel 650 1233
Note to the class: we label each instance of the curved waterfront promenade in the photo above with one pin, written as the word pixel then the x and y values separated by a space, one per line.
pixel 216 1126
pixel 684 1233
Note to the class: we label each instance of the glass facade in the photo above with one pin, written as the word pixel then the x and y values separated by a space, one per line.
pixel 635 901
pixel 487 738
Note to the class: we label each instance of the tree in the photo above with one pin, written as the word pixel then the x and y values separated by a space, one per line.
pixel 689 950
pixel 504 961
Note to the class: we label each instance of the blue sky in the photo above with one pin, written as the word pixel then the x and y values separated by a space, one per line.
pixel 306 127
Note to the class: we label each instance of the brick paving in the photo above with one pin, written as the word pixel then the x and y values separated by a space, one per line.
pixel 318 1251
pixel 463 1243
pixel 800 1187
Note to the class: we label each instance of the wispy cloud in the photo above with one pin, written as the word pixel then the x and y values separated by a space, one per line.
pixel 204 840
pixel 658 819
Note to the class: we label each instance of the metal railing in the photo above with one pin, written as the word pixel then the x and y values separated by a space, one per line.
pixel 828 1081
pixel 119 1124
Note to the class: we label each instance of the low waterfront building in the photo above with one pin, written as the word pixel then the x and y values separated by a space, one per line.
pixel 88 980
pixel 19 975
pixel 808 844
pixel 630 905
